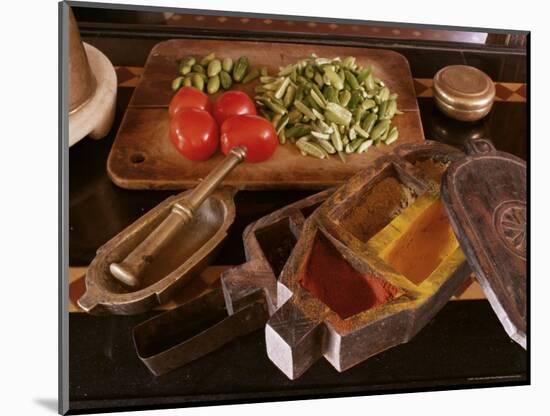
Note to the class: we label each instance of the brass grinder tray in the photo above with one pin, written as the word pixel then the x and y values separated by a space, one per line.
pixel 184 256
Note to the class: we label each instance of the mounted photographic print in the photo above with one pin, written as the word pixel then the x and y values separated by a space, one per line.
pixel 268 207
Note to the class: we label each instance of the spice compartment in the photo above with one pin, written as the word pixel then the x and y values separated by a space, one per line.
pixel 339 284
pixel 276 242
pixel 418 241
pixel 380 198
pixel 429 161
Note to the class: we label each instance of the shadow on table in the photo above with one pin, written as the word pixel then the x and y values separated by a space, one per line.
pixel 48 404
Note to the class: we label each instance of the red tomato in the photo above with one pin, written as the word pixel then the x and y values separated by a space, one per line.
pixel 194 133
pixel 189 97
pixel 254 132
pixel 233 103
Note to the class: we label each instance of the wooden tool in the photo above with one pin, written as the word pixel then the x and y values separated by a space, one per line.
pixel 142 156
pixel 182 212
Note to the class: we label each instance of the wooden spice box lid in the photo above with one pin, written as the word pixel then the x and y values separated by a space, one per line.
pixel 485 197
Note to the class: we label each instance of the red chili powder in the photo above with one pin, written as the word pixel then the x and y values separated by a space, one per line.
pixel 332 280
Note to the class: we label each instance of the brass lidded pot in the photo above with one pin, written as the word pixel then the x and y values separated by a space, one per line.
pixel 463 92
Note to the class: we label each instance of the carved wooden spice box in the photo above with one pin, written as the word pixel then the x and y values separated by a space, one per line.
pixel 384 253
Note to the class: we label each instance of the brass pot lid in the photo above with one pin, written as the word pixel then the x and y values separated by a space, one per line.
pixel 463 90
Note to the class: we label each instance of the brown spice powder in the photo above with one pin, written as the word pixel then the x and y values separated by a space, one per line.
pixel 431 170
pixel 377 207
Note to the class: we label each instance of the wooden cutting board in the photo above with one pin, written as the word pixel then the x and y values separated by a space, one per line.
pixel 142 156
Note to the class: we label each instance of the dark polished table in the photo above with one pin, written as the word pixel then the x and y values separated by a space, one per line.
pixel 463 346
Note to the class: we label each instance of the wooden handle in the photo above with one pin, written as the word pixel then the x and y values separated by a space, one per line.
pixel 479 146
pixel 130 268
